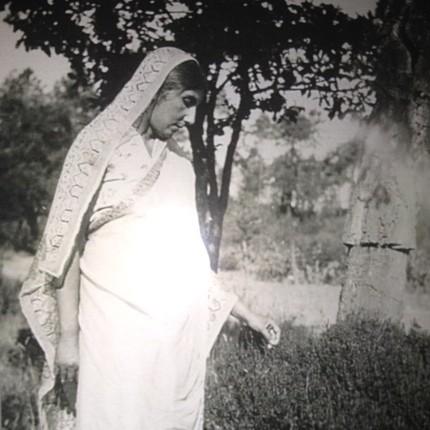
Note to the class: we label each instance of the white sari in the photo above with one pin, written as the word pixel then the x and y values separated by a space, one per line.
pixel 143 306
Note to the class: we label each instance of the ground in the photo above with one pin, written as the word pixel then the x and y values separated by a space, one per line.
pixel 308 305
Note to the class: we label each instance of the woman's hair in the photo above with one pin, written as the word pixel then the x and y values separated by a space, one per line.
pixel 187 75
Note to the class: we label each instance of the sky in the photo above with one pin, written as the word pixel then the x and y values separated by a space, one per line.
pixel 48 69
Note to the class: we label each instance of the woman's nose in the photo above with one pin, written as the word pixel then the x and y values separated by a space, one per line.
pixel 189 115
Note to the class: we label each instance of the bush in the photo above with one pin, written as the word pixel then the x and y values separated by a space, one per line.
pixel 9 303
pixel 358 374
pixel 20 363
pixel 19 378
pixel 228 260
pixel 272 262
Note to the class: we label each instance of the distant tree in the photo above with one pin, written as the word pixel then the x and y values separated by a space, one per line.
pixel 36 128
pixel 294 186
pixel 294 189
pixel 252 52
pixel 285 218
pixel 250 208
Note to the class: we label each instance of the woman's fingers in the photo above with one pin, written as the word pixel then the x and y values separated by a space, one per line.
pixel 272 332
pixel 67 365
pixel 66 387
pixel 267 327
pixel 70 373
pixel 67 373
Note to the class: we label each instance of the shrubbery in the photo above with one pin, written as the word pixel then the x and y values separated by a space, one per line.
pixel 18 391
pixel 8 296
pixel 357 375
pixel 18 353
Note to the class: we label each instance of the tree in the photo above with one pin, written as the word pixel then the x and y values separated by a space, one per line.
pixel 250 206
pixel 380 233
pixel 304 188
pixel 289 206
pixel 252 52
pixel 36 128
pixel 290 174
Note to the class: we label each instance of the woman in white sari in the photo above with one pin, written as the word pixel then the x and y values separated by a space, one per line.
pixel 121 291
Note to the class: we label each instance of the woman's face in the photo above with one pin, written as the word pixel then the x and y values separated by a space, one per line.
pixel 172 110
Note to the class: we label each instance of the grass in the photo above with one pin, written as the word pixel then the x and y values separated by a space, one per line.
pixel 310 305
pixel 357 374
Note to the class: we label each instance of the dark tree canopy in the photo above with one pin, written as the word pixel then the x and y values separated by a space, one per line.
pixel 273 45
pixel 253 53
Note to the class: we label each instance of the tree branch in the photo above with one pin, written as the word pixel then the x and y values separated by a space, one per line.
pixel 227 79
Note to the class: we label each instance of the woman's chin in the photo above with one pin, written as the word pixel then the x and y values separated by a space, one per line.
pixel 162 136
pixel 165 134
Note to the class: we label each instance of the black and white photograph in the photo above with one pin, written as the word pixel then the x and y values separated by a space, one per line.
pixel 214 214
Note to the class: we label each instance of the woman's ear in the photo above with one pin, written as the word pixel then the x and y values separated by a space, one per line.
pixel 141 123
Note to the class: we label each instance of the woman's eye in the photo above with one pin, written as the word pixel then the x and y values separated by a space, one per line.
pixel 189 101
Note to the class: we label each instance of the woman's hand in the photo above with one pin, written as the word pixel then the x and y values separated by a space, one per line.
pixel 267 327
pixel 67 364
pixel 67 356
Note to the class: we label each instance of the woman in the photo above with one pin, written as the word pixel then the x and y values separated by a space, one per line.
pixel 121 285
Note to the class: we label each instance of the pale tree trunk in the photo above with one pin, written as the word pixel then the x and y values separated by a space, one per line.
pixel 379 235
pixel 294 267
pixel 380 230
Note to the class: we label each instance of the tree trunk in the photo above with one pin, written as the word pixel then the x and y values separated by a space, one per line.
pixel 379 234
pixel 33 224
pixel 211 199
pixel 375 283
pixel 380 230
pixel 209 209
pixel 294 267
pixel 213 239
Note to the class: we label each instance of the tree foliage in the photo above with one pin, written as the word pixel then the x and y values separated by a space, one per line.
pixel 305 178
pixel 36 128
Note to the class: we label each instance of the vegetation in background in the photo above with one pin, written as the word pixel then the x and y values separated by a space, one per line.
pixel 287 217
pixel 259 51
pixel 36 129
pixel 18 363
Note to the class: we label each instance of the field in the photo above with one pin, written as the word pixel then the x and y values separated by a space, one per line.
pixel 310 305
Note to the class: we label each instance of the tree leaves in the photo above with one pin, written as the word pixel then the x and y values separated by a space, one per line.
pixel 259 36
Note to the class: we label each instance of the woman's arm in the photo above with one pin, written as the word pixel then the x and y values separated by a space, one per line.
pixel 67 354
pixel 223 303
pixel 68 299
